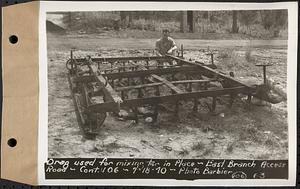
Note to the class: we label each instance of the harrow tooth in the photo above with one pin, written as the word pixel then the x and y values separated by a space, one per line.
pixel 249 98
pixel 122 95
pixel 214 104
pixel 128 81
pixel 113 83
pixel 231 101
pixel 140 93
pixel 155 114
pixel 189 87
pixel 176 110
pixel 173 77
pixel 135 115
pixel 195 107
pixel 124 69
pixel 157 92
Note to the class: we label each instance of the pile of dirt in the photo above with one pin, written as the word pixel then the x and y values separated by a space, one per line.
pixel 53 28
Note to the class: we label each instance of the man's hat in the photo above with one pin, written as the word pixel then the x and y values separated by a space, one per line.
pixel 166 31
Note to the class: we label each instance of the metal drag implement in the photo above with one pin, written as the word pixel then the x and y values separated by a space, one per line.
pixel 102 85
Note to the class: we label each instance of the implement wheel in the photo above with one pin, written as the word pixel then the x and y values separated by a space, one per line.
pixel 94 122
pixel 71 66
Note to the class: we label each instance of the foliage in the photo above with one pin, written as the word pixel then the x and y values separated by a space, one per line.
pixel 274 18
pixel 248 55
pixel 151 25
pixel 247 17
pixel 260 23
pixel 156 15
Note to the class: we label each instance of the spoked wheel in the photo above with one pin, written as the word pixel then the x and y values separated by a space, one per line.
pixel 94 124
pixel 71 66
pixel 91 122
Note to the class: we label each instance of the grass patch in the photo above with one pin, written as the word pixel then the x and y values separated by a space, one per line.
pixel 198 146
pixel 183 151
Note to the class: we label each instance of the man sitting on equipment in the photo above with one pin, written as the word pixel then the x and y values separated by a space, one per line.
pixel 165 45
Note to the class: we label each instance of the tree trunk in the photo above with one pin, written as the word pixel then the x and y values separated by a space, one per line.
pixel 124 19
pixel 235 28
pixel 183 21
pixel 123 16
pixel 190 20
pixel 70 20
pixel 130 19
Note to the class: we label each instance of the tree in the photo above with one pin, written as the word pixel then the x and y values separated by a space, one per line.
pixel 235 28
pixel 123 16
pixel 247 18
pixel 68 19
pixel 281 18
pixel 267 18
pixel 183 21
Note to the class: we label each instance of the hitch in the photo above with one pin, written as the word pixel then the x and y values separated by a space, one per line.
pixel 264 67
pixel 265 91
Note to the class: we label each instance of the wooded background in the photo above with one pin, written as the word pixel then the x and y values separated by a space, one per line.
pixel 257 23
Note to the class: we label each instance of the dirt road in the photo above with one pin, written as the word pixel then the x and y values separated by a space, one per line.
pixel 94 42
pixel 237 132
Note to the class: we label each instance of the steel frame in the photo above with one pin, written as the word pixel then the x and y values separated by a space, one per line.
pixel 111 79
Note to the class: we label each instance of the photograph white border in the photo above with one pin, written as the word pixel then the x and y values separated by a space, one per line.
pixel 53 6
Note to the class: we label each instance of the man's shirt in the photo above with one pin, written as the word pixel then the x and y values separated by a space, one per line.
pixel 163 45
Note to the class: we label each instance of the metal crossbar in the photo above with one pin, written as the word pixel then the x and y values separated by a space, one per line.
pixel 161 83
pixel 109 107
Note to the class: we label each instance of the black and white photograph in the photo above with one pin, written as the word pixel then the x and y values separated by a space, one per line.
pixel 158 84
pixel 169 84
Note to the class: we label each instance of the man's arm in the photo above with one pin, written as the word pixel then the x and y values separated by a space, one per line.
pixel 173 48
